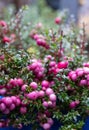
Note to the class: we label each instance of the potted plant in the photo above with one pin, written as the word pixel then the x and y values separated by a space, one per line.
pixel 47 86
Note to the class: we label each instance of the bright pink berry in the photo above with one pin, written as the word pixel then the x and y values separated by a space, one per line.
pixel 33 95
pixel 8 101
pixel 2 107
pixel 52 97
pixel 45 103
pixel 62 65
pixel 3 23
pixel 57 20
pixel 45 83
pixel 74 77
pixel 41 93
pixel 49 91
pixel 6 39
pixel 36 36
pixel 3 91
pixel 80 73
pixel 72 104
pixel 46 126
pixel 33 85
pixel 14 99
pixel 23 88
pixel 83 82
pixel 86 70
pixel 20 82
pixel 52 63
pixel 18 102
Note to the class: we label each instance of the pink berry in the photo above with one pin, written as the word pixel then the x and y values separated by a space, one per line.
pixel 18 102
pixel 52 97
pixel 23 88
pixel 23 110
pixel 57 20
pixel 3 91
pixel 83 82
pixel 6 39
pixel 1 124
pixel 8 101
pixel 36 36
pixel 41 42
pixel 46 126
pixel 71 72
pixel 2 107
pixel 14 99
pixel 74 77
pixel 80 73
pixel 50 103
pixel 86 70
pixel 50 121
pixel 12 106
pixel 20 82
pixel 3 23
pixel 13 82
pixel 32 95
pixel 33 85
pixel 33 65
pixel 87 77
pixel 49 91
pixel 63 65
pixel 72 104
pixel 45 104
pixel 41 93
pixel 45 83
pixel 52 63
pixel 79 69
pixel 86 64
pixel 43 88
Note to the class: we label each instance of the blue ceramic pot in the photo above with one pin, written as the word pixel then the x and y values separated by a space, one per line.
pixel 10 128
pixel 86 126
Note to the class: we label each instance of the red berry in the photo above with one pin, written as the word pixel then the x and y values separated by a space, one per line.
pixel 3 23
pixel 63 65
pixel 57 20
pixel 6 39
pixel 72 104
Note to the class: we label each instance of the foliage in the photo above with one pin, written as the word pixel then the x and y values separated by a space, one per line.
pixel 40 78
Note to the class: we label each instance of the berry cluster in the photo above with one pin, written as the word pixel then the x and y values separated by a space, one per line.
pixel 80 76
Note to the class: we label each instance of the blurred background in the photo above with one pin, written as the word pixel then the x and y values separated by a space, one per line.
pixel 77 8
pixel 45 12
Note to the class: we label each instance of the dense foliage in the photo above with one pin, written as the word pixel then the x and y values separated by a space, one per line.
pixel 44 75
